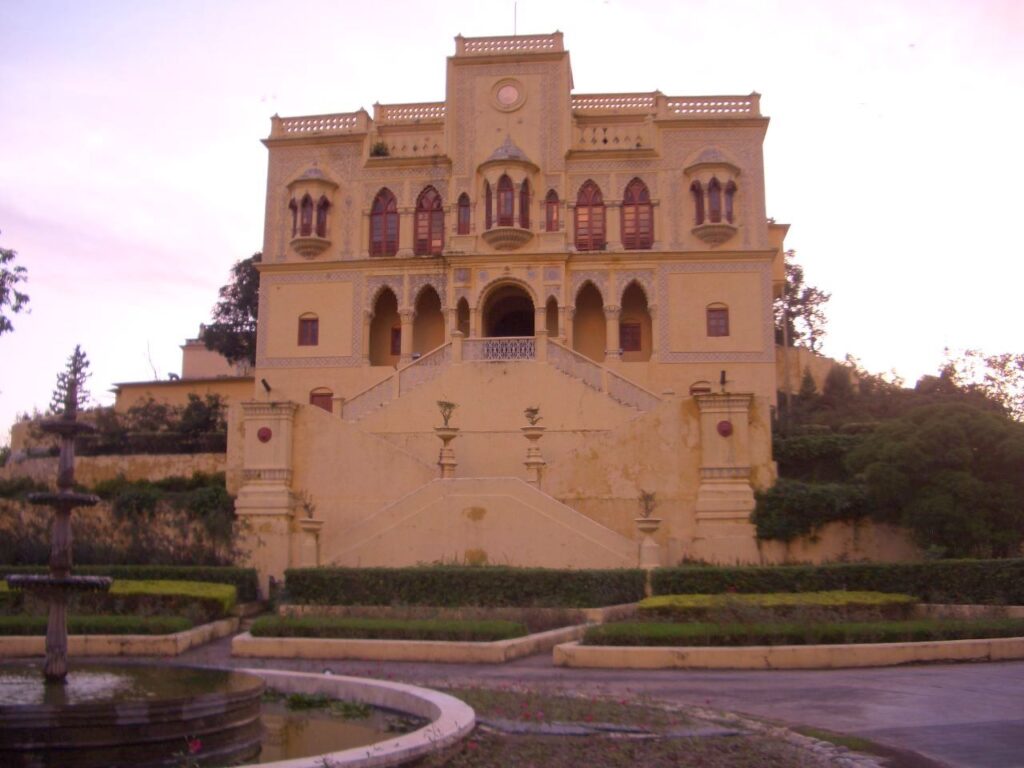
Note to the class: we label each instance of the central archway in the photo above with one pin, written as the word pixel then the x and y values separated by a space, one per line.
pixel 508 311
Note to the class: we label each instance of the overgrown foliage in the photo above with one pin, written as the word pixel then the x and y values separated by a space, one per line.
pixel 992 582
pixel 791 509
pixel 12 300
pixel 800 310
pixel 70 392
pixel 464 585
pixel 481 631
pixel 98 625
pixel 233 330
pixel 839 602
pixel 243 579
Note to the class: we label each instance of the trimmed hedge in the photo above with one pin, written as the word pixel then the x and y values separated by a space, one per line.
pixel 990 582
pixel 708 634
pixel 243 579
pixel 688 607
pixel 450 586
pixel 386 629
pixel 98 625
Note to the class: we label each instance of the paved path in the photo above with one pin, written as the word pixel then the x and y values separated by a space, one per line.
pixel 962 715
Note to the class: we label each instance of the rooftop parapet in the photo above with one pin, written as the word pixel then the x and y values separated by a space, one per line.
pixel 514 45
pixel 661 106
pixel 401 114
pixel 319 125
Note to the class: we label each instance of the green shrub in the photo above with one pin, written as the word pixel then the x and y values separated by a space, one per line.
pixel 386 629
pixel 682 607
pixel 464 586
pixel 243 579
pixel 792 508
pixel 817 457
pixel 992 582
pixel 97 625
pixel 778 633
pixel 19 487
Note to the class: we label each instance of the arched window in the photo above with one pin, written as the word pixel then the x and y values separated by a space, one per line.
pixel 309 330
pixel 384 224
pixel 637 220
pixel 590 218
pixel 730 193
pixel 488 206
pixel 698 203
pixel 551 211
pixel 294 208
pixel 506 202
pixel 463 221
pixel 321 216
pixel 306 216
pixel 322 397
pixel 714 201
pixel 429 224
pixel 524 205
pixel 718 320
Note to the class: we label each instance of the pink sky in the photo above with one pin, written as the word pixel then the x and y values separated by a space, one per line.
pixel 132 177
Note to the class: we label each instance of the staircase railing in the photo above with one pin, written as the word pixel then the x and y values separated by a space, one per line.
pixel 405 379
pixel 598 377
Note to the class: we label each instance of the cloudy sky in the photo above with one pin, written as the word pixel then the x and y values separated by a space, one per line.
pixel 132 176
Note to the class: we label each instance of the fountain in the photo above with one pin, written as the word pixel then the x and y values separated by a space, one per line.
pixel 101 716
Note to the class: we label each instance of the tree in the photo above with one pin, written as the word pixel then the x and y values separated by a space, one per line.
pixel 11 299
pixel 953 474
pixel 233 330
pixel 999 378
pixel 70 393
pixel 800 311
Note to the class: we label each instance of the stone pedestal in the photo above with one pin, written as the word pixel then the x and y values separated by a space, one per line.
pixel 307 534
pixel 534 461
pixel 725 498
pixel 649 554
pixel 446 459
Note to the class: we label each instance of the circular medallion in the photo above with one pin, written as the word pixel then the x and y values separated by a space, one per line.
pixel 725 428
pixel 508 95
pixel 263 434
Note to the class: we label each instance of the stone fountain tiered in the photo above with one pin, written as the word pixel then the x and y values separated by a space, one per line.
pixel 139 716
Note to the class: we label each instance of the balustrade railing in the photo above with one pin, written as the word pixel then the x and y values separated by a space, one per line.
pixel 498 349
pixel 628 393
pixel 427 368
pixel 408 113
pixel 587 105
pixel 346 122
pixel 489 46
pixel 595 376
pixel 403 380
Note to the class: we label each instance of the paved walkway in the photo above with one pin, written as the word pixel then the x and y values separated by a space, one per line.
pixel 959 715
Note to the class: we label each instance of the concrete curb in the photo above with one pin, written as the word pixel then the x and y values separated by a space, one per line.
pixel 450 719
pixel 787 656
pixel 246 645
pixel 122 645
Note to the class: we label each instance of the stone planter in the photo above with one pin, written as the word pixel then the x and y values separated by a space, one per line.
pixel 446 459
pixel 534 461
pixel 649 554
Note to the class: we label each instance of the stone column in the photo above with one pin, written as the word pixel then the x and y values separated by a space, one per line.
pixel 725 497
pixel 568 313
pixel 406 316
pixel 612 313
pixel 540 319
pixel 457 339
pixel 652 310
pixel 265 502
pixel 307 542
pixel 367 323
pixel 613 225
pixel 541 345
pixel 406 231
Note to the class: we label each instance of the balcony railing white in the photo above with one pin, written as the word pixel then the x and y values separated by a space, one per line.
pixel 503 348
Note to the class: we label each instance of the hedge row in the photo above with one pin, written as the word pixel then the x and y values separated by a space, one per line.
pixel 386 629
pixel 450 586
pixel 793 604
pixel 992 582
pixel 779 633
pixel 243 579
pixel 98 625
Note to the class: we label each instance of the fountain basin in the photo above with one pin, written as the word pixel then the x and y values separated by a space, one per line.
pixel 138 716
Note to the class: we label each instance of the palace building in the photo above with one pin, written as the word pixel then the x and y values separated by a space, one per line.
pixel 588 278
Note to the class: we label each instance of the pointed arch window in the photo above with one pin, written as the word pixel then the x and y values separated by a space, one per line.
pixel 463 220
pixel 506 202
pixel 714 201
pixel 637 218
pixel 730 194
pixel 384 224
pixel 322 206
pixel 698 202
pixel 590 235
pixel 294 208
pixel 551 211
pixel 488 206
pixel 524 204
pixel 429 223
pixel 306 216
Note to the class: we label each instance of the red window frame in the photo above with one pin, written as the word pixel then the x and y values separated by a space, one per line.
pixel 590 232
pixel 637 217
pixel 463 219
pixel 306 216
pixel 294 208
pixel 730 193
pixel 698 202
pixel 506 202
pixel 429 223
pixel 718 321
pixel 524 204
pixel 309 331
pixel 488 206
pixel 384 224
pixel 714 201
pixel 322 206
pixel 630 337
pixel 551 211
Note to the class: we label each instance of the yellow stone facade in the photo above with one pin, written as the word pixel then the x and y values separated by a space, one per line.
pixel 605 258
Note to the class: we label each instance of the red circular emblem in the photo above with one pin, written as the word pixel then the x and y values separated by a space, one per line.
pixel 263 434
pixel 725 428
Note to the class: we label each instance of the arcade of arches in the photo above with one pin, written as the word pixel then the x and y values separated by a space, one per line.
pixel 591 327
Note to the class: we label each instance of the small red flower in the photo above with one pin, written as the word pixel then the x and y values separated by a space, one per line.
pixel 194 745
